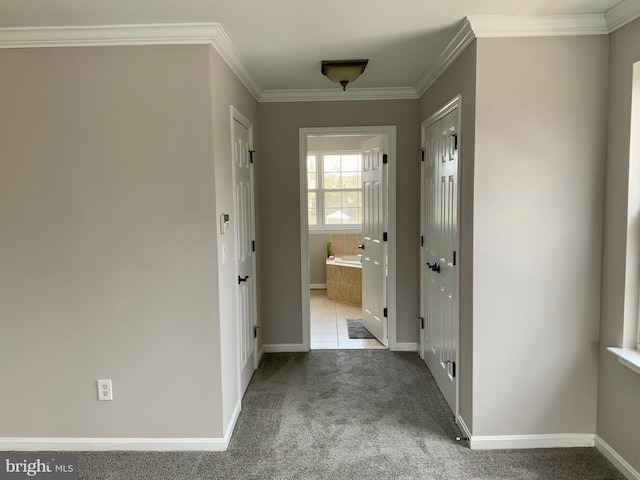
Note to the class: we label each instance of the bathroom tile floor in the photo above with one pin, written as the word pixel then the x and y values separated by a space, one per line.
pixel 329 324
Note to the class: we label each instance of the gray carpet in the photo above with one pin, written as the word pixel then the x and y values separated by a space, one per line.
pixel 347 414
pixel 356 329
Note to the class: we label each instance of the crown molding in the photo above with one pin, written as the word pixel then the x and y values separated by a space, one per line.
pixel 460 41
pixel 336 94
pixel 623 13
pixel 500 26
pixel 118 35
pixel 227 50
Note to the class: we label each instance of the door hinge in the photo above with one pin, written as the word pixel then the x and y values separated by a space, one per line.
pixel 253 247
pixel 251 152
pixel 422 240
pixel 454 257
pixel 255 331
pixel 385 236
pixel 455 141
pixel 385 158
pixel 384 312
pixel 422 154
pixel 421 322
pixel 453 368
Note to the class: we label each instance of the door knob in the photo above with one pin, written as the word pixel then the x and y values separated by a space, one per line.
pixel 361 246
pixel 242 279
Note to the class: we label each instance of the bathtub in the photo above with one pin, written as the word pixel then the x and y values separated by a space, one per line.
pixel 344 279
pixel 354 260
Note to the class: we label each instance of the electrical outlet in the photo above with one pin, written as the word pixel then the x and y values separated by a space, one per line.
pixel 105 392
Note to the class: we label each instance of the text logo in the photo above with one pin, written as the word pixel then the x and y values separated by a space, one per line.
pixel 38 466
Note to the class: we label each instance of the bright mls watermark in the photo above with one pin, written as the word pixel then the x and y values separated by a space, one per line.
pixel 39 466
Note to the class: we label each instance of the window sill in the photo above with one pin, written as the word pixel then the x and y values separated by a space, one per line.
pixel 341 230
pixel 629 357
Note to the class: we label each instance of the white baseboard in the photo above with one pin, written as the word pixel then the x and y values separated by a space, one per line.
pixel 42 444
pixel 614 457
pixel 284 347
pixel 553 440
pixel 406 347
pixel 260 354
pixel 506 442
pixel 232 423
pixel 318 286
pixel 463 427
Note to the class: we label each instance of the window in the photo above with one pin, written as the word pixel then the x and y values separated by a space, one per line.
pixel 334 189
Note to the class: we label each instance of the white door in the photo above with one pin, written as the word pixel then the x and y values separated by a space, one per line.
pixel 245 255
pixel 374 253
pixel 439 269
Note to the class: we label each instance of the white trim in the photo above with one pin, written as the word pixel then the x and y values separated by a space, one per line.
pixel 629 357
pixel 304 242
pixel 460 41
pixel 614 457
pixel 391 133
pixel 149 34
pixel 406 347
pixel 285 347
pixel 318 286
pixel 35 444
pixel 232 423
pixel 463 427
pixel 553 440
pixel 500 26
pixel 621 14
pixel 260 354
pixel 336 94
pixel 327 230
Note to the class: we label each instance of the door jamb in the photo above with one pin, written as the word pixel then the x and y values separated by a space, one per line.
pixel 390 131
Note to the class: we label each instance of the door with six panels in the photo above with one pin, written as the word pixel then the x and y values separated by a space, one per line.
pixel 439 252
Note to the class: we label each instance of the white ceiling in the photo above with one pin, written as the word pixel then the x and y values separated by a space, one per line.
pixel 284 41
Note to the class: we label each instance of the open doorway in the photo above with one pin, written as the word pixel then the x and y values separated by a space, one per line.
pixel 347 187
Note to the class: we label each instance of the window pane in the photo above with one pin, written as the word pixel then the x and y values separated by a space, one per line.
pixel 331 163
pixel 332 200
pixel 342 208
pixel 313 216
pixel 312 206
pixel 353 215
pixel 351 180
pixel 311 163
pixel 311 180
pixel 351 163
pixel 332 180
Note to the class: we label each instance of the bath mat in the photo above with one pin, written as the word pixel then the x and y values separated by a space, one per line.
pixel 356 329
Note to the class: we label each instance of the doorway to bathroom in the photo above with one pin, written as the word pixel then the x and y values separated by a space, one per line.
pixel 347 189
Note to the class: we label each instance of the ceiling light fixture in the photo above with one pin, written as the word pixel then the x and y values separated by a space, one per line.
pixel 343 71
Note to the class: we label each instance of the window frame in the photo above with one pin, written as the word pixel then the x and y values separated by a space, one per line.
pixel 320 190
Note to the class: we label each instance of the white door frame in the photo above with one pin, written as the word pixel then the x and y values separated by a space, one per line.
pixel 450 106
pixel 236 115
pixel 390 131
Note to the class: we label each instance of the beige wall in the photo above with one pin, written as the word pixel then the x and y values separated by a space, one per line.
pixel 619 387
pixel 227 90
pixel 317 259
pixel 460 79
pixel 279 199
pixel 108 246
pixel 538 204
